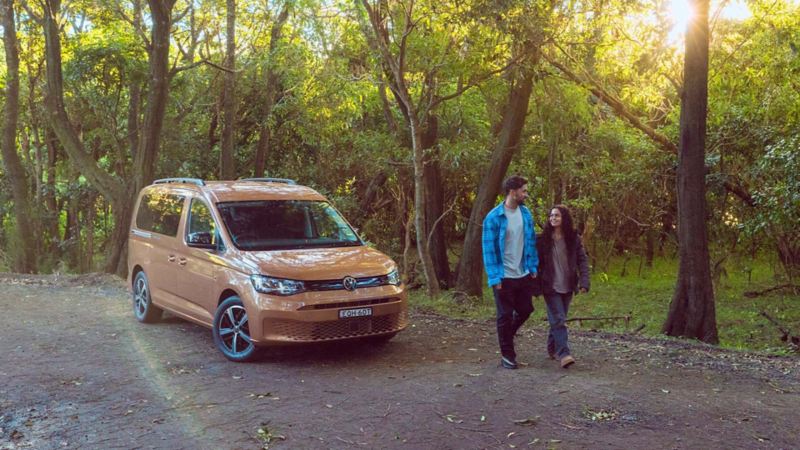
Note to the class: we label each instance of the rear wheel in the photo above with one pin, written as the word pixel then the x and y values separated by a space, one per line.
pixel 232 331
pixel 143 307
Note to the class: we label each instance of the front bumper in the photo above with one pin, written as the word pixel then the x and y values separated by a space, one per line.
pixel 314 316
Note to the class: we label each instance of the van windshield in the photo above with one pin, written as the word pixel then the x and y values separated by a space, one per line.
pixel 285 224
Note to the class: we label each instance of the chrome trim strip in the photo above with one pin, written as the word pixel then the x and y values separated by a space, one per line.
pixel 143 234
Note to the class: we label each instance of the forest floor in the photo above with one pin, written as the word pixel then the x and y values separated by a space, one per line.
pixel 78 371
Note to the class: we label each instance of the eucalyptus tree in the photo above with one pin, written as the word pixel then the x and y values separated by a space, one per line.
pixel 117 190
pixel 25 253
pixel 692 312
pixel 528 25
pixel 430 55
pixel 271 88
pixel 227 162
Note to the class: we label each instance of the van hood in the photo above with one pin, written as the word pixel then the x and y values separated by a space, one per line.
pixel 321 263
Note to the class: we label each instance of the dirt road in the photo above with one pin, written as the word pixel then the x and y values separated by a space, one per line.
pixel 78 371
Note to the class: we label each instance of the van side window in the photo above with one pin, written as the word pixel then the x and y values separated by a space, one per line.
pixel 201 226
pixel 160 213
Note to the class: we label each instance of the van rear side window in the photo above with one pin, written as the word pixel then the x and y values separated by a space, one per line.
pixel 160 213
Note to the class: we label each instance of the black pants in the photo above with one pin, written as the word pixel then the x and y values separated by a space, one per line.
pixel 514 305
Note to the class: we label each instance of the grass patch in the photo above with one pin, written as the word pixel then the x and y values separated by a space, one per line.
pixel 646 297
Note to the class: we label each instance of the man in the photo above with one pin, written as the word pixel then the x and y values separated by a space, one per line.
pixel 511 262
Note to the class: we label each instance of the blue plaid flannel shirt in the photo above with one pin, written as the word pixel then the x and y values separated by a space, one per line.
pixel 494 238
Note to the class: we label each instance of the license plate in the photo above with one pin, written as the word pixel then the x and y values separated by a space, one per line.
pixel 355 312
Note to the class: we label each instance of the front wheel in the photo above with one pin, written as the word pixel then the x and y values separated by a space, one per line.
pixel 232 331
pixel 143 307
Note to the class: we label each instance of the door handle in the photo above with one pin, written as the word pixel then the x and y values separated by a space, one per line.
pixel 171 258
pixel 182 261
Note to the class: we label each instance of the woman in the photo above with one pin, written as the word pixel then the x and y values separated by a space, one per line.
pixel 563 270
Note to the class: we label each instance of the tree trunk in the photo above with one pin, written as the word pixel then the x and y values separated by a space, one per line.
pixel 212 127
pixel 72 237
pixel 434 204
pixel 227 162
pixel 117 253
pixel 118 193
pixel 431 281
pixel 25 254
pixel 470 268
pixel 367 202
pixel 158 93
pixel 108 185
pixel 89 217
pixel 134 102
pixel 692 311
pixel 650 247
pixel 50 202
pixel 271 89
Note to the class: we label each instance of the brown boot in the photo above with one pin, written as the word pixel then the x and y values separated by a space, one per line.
pixel 567 361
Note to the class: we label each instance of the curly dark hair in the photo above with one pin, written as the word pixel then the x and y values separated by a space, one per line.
pixel 567 227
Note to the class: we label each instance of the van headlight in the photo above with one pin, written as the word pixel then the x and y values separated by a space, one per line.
pixel 393 278
pixel 276 286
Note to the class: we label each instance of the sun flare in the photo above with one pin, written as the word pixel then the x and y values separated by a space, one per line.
pixel 681 12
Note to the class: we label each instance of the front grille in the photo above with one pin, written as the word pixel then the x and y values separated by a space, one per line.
pixel 295 330
pixel 338 285
pixel 374 301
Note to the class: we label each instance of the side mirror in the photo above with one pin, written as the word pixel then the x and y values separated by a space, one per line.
pixel 201 239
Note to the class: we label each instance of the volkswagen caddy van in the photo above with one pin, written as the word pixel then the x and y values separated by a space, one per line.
pixel 260 261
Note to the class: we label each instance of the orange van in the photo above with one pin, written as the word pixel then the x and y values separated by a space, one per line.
pixel 260 261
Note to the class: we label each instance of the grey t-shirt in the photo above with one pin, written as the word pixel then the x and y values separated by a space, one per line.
pixel 560 267
pixel 514 245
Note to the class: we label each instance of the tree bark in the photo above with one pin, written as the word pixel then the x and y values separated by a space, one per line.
pixel 470 268
pixel 119 193
pixel 227 162
pixel 420 208
pixel 25 254
pixel 89 217
pixel 158 93
pixel 692 311
pixel 434 195
pixel 271 89
pixel 50 201
pixel 134 100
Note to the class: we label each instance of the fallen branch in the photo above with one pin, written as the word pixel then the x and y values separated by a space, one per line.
pixel 627 318
pixel 753 294
pixel 787 336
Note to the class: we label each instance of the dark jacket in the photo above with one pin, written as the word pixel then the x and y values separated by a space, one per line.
pixel 578 266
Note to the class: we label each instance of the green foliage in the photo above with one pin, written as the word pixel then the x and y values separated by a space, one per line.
pixel 646 299
pixel 778 191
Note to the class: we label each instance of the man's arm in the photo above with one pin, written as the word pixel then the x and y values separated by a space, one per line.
pixel 491 257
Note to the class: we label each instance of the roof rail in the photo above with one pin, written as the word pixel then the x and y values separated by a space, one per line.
pixel 270 180
pixel 196 181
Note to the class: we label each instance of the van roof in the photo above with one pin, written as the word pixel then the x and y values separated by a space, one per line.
pixel 244 190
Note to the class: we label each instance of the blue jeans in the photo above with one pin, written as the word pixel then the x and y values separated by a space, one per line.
pixel 557 310
pixel 514 305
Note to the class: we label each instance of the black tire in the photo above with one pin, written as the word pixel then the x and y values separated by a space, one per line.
pixel 232 332
pixel 143 307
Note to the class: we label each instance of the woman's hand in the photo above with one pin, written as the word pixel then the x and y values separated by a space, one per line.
pixel 582 290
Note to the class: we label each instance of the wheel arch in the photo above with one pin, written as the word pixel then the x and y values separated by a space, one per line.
pixel 135 271
pixel 226 294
